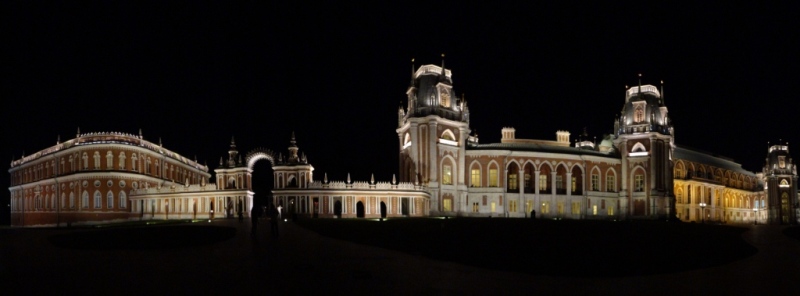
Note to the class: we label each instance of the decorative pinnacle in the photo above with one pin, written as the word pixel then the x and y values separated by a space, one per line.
pixel 348 178
pixel 372 179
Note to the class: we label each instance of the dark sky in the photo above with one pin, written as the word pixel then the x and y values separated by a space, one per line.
pixel 196 73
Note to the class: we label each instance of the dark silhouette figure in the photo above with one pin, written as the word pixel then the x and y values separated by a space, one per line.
pixel 533 214
pixel 254 220
pixel 273 221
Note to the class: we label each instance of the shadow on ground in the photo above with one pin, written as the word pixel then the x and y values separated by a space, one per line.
pixel 143 237
pixel 547 247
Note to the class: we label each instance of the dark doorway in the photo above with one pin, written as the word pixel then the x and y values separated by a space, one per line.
pixel 383 210
pixel 316 208
pixel 211 209
pixel 404 206
pixel 262 181
pixel 337 208
pixel 360 210
pixel 638 207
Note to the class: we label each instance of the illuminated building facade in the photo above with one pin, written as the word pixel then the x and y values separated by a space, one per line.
pixel 636 173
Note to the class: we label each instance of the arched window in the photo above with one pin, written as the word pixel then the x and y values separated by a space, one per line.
pixel 109 160
pixel 123 200
pixel 638 113
pixel 85 159
pixel 96 157
pixel 71 200
pixel 611 181
pixel 98 200
pixel 110 200
pixel 85 200
pixel 122 160
pixel 475 176
pixel 512 178
pixel 595 182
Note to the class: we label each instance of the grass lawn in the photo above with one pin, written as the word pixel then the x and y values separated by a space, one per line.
pixel 547 247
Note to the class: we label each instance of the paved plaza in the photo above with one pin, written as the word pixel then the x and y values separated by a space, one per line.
pixel 302 262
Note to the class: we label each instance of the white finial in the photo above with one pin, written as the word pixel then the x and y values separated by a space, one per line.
pixel 325 180
pixel 348 178
pixel 394 180
pixel 372 179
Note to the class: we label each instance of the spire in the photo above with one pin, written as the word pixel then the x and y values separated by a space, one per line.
pixel 372 178
pixel 325 179
pixel 662 93
pixel 394 180
pixel 140 133
pixel 58 140
pixel 444 75
pixel 640 85
pixel 233 142
pixel 412 73
pixel 78 135
pixel 293 141
pixel 348 178
pixel 160 144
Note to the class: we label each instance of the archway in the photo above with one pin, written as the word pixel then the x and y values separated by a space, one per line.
pixel 383 210
pixel 262 177
pixel 360 209
pixel 337 208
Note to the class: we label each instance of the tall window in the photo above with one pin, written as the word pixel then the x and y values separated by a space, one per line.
pixel 476 178
pixel 447 204
pixel 512 206
pixel 98 200
pixel 110 200
pixel 96 157
pixel 85 159
pixel 123 200
pixel 560 207
pixel 559 182
pixel 447 175
pixel 85 200
pixel 576 207
pixel 512 181
pixel 109 160
pixel 638 113
pixel 574 184
pixel 474 207
pixel 542 182
pixel 493 178
pixel 638 183
pixel 545 208
pixel 611 209
pixel 595 182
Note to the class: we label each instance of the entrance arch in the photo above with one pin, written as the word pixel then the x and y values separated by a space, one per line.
pixel 383 210
pixel 360 209
pixel 262 176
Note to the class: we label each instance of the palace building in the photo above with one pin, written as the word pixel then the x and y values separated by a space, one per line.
pixel 638 172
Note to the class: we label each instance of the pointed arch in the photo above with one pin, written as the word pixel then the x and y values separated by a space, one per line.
pixel 611 180
pixel 110 199
pixel 494 173
pixel 638 180
pixel 475 174
pixel 594 181
pixel 512 176
pixel 448 170
pixel 545 178
pixel 123 200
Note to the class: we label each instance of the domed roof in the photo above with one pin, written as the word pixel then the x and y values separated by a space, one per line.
pixel 644 110
pixel 432 93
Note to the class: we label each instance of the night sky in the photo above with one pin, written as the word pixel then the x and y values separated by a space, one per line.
pixel 196 73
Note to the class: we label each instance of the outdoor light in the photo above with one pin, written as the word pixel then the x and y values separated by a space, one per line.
pixel 703 211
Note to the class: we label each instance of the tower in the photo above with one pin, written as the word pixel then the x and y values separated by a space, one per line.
pixel 644 139
pixel 432 134
pixel 780 175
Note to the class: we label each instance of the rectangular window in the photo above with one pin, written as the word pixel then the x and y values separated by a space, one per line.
pixel 574 184
pixel 576 208
pixel 484 200
pixel 595 183
pixel 594 210
pixel 559 182
pixel 545 208
pixel 560 207
pixel 493 207
pixel 512 206
pixel 474 207
pixel 447 204
pixel 528 205
pixel 603 204
pixel 493 178
pixel 512 181
pixel 638 183
pixel 611 210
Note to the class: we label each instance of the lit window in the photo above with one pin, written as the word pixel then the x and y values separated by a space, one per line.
pixel 492 177
pixel 611 209
pixel 447 175
pixel 574 184
pixel 559 182
pixel 638 183
pixel 512 206
pixel 638 115
pixel 560 207
pixel 545 208
pixel 474 207
pixel 595 182
pixel 123 202
pixel 476 178
pixel 512 181
pixel 543 182
pixel 85 200
pixel 594 210
pixel 447 204
pixel 576 208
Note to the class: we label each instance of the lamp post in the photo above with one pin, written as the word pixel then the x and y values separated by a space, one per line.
pixel 703 211
pixel 755 216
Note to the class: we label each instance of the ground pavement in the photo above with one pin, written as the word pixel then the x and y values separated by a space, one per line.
pixel 302 262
